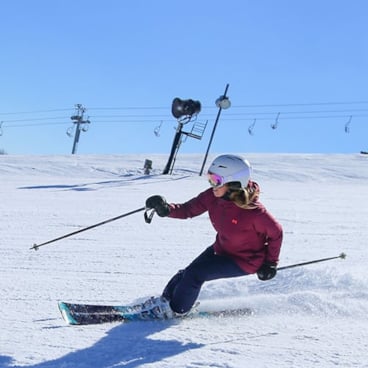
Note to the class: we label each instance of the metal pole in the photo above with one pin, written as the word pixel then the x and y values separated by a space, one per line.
pixel 76 136
pixel 36 246
pixel 213 133
pixel 174 148
pixel 342 256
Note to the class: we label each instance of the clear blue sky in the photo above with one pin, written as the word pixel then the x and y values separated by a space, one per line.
pixel 125 61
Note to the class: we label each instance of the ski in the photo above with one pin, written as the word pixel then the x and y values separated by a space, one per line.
pixel 84 314
pixel 88 314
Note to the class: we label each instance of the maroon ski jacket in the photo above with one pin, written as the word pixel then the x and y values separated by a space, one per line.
pixel 249 236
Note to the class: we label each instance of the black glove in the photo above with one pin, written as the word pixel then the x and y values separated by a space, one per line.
pixel 159 204
pixel 267 271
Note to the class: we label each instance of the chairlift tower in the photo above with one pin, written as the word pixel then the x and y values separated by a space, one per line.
pixel 80 123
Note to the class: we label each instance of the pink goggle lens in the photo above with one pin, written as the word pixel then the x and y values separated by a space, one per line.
pixel 215 180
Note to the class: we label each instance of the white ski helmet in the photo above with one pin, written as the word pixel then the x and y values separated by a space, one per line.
pixel 229 169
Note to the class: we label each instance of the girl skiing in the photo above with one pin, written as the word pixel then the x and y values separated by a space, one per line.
pixel 248 237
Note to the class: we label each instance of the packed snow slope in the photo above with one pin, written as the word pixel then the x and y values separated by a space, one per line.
pixel 310 316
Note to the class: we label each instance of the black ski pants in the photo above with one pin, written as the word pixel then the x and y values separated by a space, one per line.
pixel 183 289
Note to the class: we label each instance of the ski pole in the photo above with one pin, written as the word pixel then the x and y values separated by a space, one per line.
pixel 342 256
pixel 36 246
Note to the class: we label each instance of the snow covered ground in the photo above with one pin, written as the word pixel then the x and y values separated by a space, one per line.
pixel 311 316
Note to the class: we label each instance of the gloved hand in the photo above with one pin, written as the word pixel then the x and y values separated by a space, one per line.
pixel 267 271
pixel 159 204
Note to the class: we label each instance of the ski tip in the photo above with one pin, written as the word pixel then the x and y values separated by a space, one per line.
pixel 65 313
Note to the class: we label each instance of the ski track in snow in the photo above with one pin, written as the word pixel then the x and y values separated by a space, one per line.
pixel 311 316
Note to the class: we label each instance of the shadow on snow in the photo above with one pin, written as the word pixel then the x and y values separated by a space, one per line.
pixel 102 184
pixel 129 345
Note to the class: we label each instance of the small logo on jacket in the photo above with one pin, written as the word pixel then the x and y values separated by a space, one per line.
pixel 234 221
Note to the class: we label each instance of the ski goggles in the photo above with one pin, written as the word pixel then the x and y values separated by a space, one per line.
pixel 215 180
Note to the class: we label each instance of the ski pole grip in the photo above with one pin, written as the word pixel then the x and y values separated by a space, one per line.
pixel 148 216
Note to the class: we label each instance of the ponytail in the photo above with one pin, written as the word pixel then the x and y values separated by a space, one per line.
pixel 247 197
